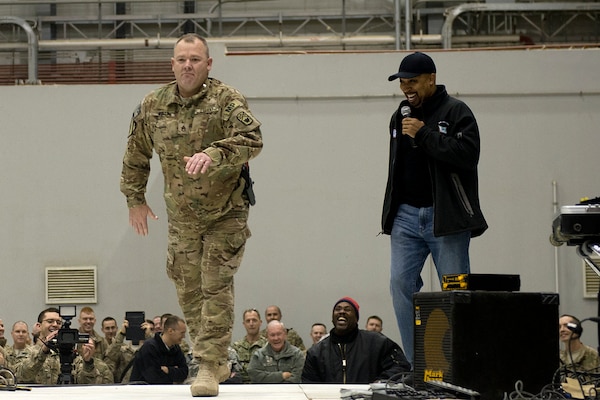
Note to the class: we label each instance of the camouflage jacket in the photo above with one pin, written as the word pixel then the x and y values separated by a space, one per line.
pixel 3 357
pixel 14 357
pixel 41 368
pixel 244 350
pixel 215 121
pixel 119 357
pixel 584 359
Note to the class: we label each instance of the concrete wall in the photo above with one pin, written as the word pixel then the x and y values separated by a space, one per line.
pixel 319 182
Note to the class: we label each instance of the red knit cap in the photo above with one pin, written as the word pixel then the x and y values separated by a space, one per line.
pixel 352 302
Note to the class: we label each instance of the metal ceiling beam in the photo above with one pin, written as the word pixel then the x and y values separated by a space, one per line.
pixel 454 12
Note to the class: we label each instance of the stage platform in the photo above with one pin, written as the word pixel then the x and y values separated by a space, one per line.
pixel 173 392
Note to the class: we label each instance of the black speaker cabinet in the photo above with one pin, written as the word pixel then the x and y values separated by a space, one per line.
pixel 486 341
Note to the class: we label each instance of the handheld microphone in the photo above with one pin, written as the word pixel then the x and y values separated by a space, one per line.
pixel 405 111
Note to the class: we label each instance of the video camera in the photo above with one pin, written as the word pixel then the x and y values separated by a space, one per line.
pixel 65 343
pixel 68 337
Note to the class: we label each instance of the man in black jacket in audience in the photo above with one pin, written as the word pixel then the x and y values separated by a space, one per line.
pixel 350 354
pixel 160 360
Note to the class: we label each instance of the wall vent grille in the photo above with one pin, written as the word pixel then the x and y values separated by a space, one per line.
pixel 71 285
pixel 591 280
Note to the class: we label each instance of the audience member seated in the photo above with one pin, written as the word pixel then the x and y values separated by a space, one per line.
pixel 158 323
pixel 278 361
pixel 185 347
pixel 87 322
pixel 273 313
pixel 575 357
pixel 42 364
pixel 253 341
pixel 350 354
pixel 16 352
pixel 234 366
pixel 317 331
pixel 374 324
pixel 119 356
pixel 148 326
pixel 160 360
pixel 109 328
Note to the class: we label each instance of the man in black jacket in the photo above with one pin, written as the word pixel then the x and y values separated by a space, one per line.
pixel 350 354
pixel 160 360
pixel 431 202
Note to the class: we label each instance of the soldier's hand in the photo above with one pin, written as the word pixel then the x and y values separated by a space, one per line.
pixel 199 162
pixel 138 218
pixel 124 326
pixel 88 350
pixel 48 339
pixel 148 329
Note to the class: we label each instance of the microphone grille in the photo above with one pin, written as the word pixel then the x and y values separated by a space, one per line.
pixel 405 111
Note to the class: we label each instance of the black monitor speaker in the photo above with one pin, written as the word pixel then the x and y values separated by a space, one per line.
pixel 486 341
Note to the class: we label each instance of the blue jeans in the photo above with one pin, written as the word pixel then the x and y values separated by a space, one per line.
pixel 412 240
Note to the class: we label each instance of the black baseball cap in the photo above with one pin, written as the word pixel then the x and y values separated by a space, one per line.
pixel 413 65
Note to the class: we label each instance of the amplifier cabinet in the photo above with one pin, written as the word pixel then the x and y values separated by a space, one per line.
pixel 486 341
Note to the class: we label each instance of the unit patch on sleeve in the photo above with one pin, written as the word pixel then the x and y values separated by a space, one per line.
pixel 245 118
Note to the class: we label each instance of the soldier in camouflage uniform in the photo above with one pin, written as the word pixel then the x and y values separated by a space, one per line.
pixel 87 322
pixel 204 136
pixel 119 356
pixel 42 365
pixel 576 358
pixel 16 352
pixel 253 341
pixel 273 313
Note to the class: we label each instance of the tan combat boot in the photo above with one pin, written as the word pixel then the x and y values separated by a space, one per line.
pixel 209 376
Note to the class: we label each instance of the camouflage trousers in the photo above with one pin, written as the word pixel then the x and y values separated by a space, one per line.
pixel 202 259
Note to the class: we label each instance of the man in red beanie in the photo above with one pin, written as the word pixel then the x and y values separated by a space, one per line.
pixel 350 354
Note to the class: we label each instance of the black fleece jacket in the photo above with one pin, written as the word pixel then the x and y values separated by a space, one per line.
pixel 450 141
pixel 358 357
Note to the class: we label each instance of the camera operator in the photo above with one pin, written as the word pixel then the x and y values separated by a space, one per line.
pixel 42 364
